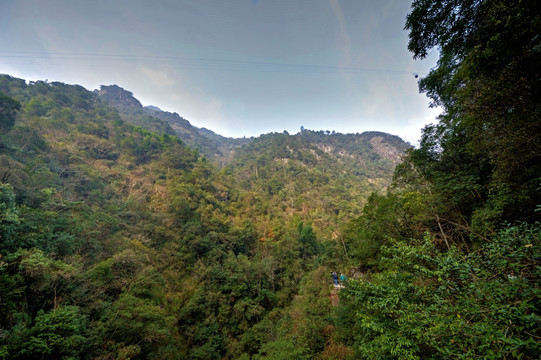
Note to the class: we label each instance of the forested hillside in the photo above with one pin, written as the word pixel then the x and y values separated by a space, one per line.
pixel 121 242
pixel 320 177
pixel 127 233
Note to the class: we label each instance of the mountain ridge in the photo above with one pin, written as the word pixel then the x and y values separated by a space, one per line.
pixel 220 148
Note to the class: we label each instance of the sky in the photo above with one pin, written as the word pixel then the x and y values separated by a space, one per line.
pixel 237 67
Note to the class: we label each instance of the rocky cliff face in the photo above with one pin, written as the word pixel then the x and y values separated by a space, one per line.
pixel 386 150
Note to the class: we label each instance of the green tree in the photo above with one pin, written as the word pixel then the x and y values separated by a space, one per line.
pixel 9 218
pixel 137 325
pixel 58 334
pixel 441 305
pixel 282 349
pixel 309 246
pixel 8 109
pixel 483 157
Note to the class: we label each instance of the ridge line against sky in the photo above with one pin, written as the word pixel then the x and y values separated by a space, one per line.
pixel 237 67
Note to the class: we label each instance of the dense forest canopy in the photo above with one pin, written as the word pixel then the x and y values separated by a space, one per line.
pixel 118 240
pixel 128 233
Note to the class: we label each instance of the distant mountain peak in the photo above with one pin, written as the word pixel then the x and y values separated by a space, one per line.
pixel 118 96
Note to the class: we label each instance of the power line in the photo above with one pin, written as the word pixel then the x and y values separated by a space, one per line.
pixel 196 63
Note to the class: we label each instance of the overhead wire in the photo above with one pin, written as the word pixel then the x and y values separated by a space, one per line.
pixel 191 62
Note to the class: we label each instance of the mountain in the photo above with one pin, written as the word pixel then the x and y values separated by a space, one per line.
pixel 215 147
pixel 320 177
pixel 345 167
pixel 361 149
pixel 118 240
pixel 131 110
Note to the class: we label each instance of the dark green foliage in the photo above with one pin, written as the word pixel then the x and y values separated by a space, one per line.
pixel 8 108
pixel 429 304
pixel 281 350
pixel 470 289
pixel 137 323
pixel 9 218
pixel 58 334
pixel 482 158
pixel 308 243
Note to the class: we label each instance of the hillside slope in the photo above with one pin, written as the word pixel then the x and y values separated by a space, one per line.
pixel 320 177
pixel 116 241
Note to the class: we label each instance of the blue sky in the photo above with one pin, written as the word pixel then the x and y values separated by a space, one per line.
pixel 237 67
